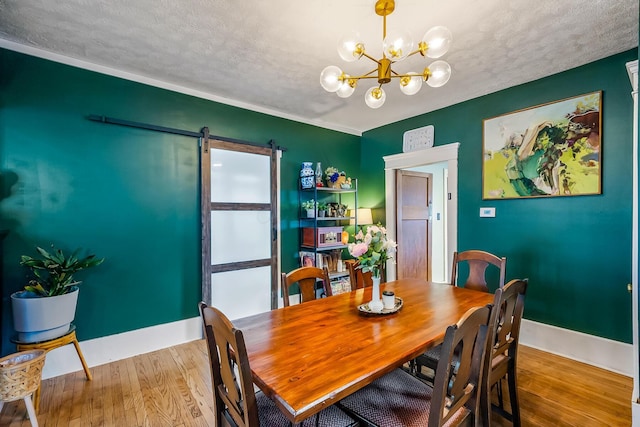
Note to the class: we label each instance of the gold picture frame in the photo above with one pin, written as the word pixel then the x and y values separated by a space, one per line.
pixel 548 150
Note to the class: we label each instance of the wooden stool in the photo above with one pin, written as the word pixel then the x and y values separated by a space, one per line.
pixel 68 338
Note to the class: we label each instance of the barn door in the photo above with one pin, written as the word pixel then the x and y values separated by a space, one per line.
pixel 239 227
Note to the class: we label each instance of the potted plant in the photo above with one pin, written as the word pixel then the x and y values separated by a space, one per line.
pixel 310 207
pixel 46 307
pixel 322 209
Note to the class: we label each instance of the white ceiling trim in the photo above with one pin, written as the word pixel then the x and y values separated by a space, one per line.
pixel 51 56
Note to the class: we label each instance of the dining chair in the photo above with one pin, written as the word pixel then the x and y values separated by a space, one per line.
pixel 478 263
pixel 306 278
pixel 504 352
pixel 400 399
pixel 358 278
pixel 236 401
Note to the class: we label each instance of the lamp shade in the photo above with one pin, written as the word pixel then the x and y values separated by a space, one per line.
pixel 364 216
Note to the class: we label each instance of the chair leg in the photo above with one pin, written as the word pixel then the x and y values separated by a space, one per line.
pixel 499 391
pixel 513 396
pixel 31 411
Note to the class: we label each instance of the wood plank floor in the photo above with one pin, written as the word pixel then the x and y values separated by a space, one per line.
pixel 171 387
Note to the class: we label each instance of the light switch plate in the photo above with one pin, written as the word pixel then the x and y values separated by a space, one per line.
pixel 417 139
pixel 487 212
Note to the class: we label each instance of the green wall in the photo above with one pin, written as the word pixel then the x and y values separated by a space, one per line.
pixel 129 195
pixel 576 251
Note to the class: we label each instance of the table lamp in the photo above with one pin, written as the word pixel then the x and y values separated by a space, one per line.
pixel 364 216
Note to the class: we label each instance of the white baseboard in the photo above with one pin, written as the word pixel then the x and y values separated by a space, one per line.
pixel 107 349
pixel 604 353
pixel 601 352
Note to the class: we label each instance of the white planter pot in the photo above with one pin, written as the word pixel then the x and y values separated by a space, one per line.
pixel 38 318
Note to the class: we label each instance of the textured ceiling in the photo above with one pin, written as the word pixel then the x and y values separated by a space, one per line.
pixel 268 55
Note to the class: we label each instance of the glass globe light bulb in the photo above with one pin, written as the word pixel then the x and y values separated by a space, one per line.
pixel 350 46
pixel 347 87
pixel 438 40
pixel 375 97
pixel 330 78
pixel 411 85
pixel 439 73
pixel 397 46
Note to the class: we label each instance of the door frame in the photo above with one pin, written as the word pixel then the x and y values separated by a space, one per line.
pixel 443 153
pixel 632 70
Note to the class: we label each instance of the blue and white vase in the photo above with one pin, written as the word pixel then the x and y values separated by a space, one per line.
pixel 307 175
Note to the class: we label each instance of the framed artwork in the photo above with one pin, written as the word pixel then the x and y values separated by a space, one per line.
pixel 544 151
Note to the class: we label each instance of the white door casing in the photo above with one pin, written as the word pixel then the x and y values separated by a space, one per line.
pixel 443 153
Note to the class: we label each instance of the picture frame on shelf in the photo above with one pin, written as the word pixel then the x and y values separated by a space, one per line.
pixel 307 259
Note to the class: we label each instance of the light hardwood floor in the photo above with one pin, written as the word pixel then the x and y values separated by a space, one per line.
pixel 172 387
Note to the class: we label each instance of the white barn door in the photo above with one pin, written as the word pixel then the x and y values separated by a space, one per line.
pixel 239 227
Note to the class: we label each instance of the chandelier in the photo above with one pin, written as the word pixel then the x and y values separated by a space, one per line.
pixel 395 48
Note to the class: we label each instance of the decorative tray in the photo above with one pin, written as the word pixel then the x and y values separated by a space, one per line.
pixel 364 308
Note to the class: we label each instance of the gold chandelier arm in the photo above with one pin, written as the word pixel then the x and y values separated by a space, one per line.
pixel 370 57
pixel 396 75
pixel 414 52
pixel 364 76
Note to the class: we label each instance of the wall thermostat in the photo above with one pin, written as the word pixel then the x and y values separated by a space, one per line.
pixel 417 139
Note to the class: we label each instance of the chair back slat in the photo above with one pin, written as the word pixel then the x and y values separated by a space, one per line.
pixel 457 381
pixel 504 335
pixel 306 278
pixel 360 279
pixel 232 383
pixel 478 262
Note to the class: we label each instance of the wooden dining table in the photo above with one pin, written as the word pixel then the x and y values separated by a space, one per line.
pixel 309 356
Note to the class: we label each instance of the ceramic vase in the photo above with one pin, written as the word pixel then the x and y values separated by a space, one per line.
pixel 307 175
pixel 375 305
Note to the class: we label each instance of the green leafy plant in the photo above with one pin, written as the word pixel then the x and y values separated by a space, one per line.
pixel 322 206
pixel 54 271
pixel 309 204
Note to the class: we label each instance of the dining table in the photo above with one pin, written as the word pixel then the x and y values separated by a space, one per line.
pixel 309 356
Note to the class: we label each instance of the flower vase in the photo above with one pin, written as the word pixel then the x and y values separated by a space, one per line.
pixel 375 305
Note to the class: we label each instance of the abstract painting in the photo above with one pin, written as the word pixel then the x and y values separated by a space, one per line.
pixel 544 151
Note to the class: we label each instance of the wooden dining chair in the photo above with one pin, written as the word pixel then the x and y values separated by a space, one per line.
pixel 306 278
pixel 478 262
pixel 358 278
pixel 504 351
pixel 400 399
pixel 236 402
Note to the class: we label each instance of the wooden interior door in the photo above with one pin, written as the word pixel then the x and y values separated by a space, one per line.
pixel 239 227
pixel 413 228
